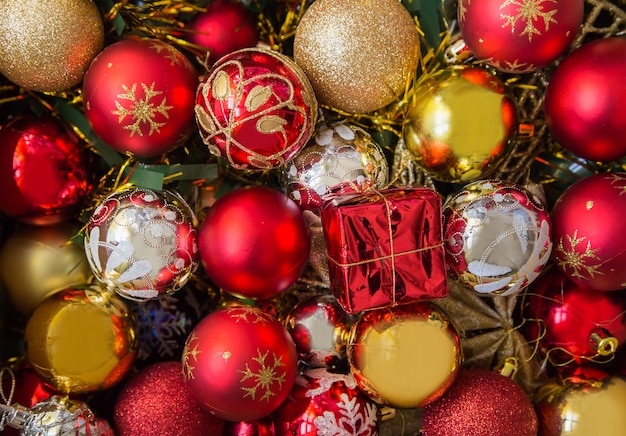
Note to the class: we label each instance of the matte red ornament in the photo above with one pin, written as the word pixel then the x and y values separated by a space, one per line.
pixel 240 363
pixel 254 242
pixel 481 402
pixel 588 232
pixel 139 95
pixel 584 101
pixel 519 36
pixel 44 175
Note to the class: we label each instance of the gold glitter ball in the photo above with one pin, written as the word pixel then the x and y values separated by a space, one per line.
pixel 48 45
pixel 358 55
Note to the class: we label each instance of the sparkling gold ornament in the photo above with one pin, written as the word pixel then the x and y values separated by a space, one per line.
pixel 47 46
pixel 359 56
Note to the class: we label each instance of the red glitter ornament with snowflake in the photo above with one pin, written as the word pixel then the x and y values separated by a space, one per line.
pixel 519 36
pixel 240 363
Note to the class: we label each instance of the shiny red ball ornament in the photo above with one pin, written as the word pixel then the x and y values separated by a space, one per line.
pixel 584 101
pixel 573 324
pixel 139 95
pixel 588 231
pixel 156 402
pixel 481 402
pixel 240 363
pixel 44 175
pixel 225 26
pixel 258 427
pixel 254 242
pixel 256 109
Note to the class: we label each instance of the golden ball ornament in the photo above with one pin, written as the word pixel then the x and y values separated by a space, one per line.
pixel 359 56
pixel 47 46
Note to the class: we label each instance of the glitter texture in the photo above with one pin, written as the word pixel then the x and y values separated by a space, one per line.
pixel 358 56
pixel 47 46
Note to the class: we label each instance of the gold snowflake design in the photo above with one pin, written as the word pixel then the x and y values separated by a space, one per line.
pixel 248 314
pixel 463 9
pixel 620 181
pixel 190 353
pixel 175 57
pixel 527 12
pixel 576 260
pixel 266 375
pixel 141 111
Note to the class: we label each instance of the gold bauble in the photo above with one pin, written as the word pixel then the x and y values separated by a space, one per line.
pixel 81 340
pixel 359 56
pixel 37 261
pixel 48 45
pixel 460 124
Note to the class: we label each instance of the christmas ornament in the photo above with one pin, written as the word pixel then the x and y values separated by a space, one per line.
pixel 481 402
pixel 519 36
pixel 254 242
pixel 142 243
pixel 460 124
pixel 588 238
pixel 326 403
pixel 157 402
pixel 405 356
pixel 81 340
pixel 43 171
pixel 225 26
pixel 341 158
pixel 592 131
pixel 572 323
pixel 240 363
pixel 48 46
pixel 496 237
pixel 258 427
pixel 37 261
pixel 256 109
pixel 355 60
pixel 138 96
pixel 29 388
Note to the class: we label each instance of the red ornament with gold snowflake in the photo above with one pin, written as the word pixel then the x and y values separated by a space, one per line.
pixel 138 96
pixel 240 363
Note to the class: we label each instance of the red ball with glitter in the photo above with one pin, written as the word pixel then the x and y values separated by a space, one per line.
pixel 589 247
pixel 43 171
pixel 157 402
pixel 481 402
pixel 584 101
pixel 240 363
pixel 254 242
pixel 256 109
pixel 139 95
pixel 519 36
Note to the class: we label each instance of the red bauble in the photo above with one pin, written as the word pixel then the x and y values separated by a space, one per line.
pixel 256 109
pixel 258 427
pixel 573 323
pixel 139 96
pixel 240 363
pixel 225 26
pixel 326 403
pixel 588 231
pixel 157 402
pixel 43 171
pixel 519 36
pixel 481 402
pixel 584 101
pixel 254 242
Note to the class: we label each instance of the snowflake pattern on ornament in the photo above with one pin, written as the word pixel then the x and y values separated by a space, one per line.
pixel 141 111
pixel 568 256
pixel 190 353
pixel 619 181
pixel 264 376
pixel 529 11
pixel 175 57
pixel 353 420
pixel 248 314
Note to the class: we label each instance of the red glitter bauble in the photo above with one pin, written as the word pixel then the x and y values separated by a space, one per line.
pixel 588 231
pixel 480 403
pixel 256 109
pixel 225 26
pixel 519 36
pixel 254 242
pixel 584 101
pixel 240 363
pixel 573 323
pixel 43 171
pixel 157 402
pixel 139 95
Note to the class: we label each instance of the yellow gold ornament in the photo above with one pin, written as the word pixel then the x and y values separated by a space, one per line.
pixel 47 46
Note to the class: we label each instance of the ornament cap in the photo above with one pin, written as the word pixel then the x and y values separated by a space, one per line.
pixel 601 341
pixel 508 367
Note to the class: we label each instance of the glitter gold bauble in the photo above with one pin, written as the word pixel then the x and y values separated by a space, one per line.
pixel 359 56
pixel 47 46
